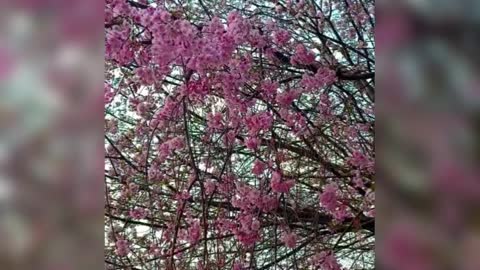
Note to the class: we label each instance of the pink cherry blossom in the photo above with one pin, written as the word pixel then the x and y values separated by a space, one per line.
pixel 194 232
pixel 252 143
pixel 138 213
pixel 122 247
pixel 326 260
pixel 209 187
pixel 359 160
pixel 329 197
pixel 281 37
pixel 290 239
pixel 285 99
pixel 302 56
pixel 258 167
pixel 280 186
pixel 258 122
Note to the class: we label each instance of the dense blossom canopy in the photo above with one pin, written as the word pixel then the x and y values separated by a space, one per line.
pixel 239 134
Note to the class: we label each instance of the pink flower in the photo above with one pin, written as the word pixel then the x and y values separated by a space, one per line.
pixel 170 110
pixel 122 247
pixel 302 56
pixel 142 109
pixel 329 197
pixel 252 143
pixel 290 239
pixel 215 121
pixel 281 37
pixel 229 138
pixel 358 182
pixel 326 260
pixel 330 262
pixel 285 99
pixel 224 225
pixel 258 122
pixel 359 160
pixel 258 167
pixel 145 75
pixel 247 233
pixel 138 213
pixel 238 266
pixel 278 186
pixel 164 150
pixel 324 77
pixel 325 105
pixel 121 8
pixel 177 143
pixel 257 39
pixel 209 187
pixel 253 196
pixel 268 203
pixel 276 177
pixel 238 28
pixel 184 195
pixel 279 9
pixel 194 232
pixel 341 212
pixel 154 123
pixel 133 188
pixel 269 89
pixel 108 93
pixel 247 239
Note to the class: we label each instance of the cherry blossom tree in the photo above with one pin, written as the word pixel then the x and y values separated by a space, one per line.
pixel 239 134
